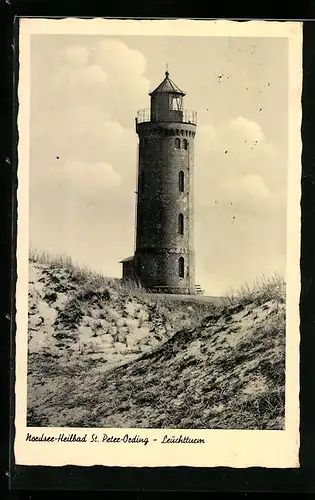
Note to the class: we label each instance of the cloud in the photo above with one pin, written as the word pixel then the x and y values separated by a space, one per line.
pixel 88 108
pixel 236 163
pixel 240 198
pixel 76 182
pixel 118 59
pixel 81 209
pixel 88 178
pixel 76 81
pixel 75 55
pixel 112 73
pixel 248 186
pixel 247 129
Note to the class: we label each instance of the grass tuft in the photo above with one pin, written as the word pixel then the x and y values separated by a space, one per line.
pixel 264 289
pixel 127 288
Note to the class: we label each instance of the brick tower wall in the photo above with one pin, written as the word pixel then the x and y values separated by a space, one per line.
pixel 159 245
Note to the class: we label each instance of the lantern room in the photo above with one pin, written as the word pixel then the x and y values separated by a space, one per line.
pixel 167 101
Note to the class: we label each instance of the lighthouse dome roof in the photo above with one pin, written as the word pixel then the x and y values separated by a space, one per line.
pixel 167 86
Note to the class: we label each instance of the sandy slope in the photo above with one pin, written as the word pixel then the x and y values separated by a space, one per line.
pixel 70 314
pixel 227 372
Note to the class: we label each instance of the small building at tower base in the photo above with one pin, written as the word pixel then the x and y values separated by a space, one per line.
pixel 128 268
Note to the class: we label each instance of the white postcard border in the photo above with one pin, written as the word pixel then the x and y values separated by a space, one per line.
pixel 231 448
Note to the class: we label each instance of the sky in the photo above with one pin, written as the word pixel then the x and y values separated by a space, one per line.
pixel 85 93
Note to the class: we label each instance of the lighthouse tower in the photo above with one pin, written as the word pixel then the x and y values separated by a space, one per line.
pixel 164 258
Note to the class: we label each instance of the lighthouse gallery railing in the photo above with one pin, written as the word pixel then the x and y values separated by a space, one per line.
pixel 185 116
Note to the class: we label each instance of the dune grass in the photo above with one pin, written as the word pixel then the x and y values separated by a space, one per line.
pixel 180 313
pixel 263 289
pixel 127 287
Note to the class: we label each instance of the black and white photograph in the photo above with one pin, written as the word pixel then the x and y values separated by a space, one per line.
pixel 158 236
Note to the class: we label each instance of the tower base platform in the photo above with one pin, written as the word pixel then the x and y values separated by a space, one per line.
pixel 176 290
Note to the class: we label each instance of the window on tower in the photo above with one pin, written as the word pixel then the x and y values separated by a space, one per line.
pixel 154 269
pixel 176 103
pixel 185 144
pixel 181 181
pixel 181 224
pixel 181 267
pixel 177 143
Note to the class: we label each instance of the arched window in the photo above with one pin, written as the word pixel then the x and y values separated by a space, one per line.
pixel 177 143
pixel 185 144
pixel 181 181
pixel 181 267
pixel 154 269
pixel 181 224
